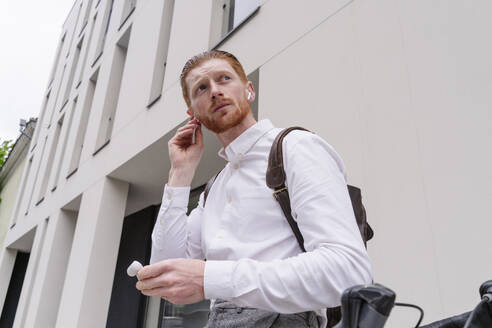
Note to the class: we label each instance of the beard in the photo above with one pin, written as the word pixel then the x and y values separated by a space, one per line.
pixel 222 121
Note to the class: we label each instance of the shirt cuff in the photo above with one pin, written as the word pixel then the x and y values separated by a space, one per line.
pixel 217 280
pixel 176 196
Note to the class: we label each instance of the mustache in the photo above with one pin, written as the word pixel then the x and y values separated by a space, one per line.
pixel 219 102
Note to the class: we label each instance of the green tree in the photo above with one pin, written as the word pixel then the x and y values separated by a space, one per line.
pixel 5 148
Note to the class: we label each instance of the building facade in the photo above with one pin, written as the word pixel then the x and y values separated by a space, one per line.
pixel 400 88
pixel 10 176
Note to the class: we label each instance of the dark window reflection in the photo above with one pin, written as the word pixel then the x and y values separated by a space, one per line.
pixel 184 316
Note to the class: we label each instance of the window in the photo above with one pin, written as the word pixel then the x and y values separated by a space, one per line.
pixel 161 55
pixel 113 90
pixel 128 9
pixel 55 64
pixel 86 15
pixel 187 316
pixel 49 163
pixel 84 120
pixel 227 16
pixel 57 95
pixel 74 29
pixel 104 32
pixel 75 61
pixel 87 48
pixel 64 145
pixel 35 180
pixel 39 123
pixel 13 293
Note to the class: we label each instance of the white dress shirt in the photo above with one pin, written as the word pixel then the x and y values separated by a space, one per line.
pixel 253 257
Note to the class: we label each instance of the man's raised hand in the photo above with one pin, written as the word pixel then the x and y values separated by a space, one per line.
pixel 184 154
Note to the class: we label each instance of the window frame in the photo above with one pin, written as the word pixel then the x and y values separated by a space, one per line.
pixel 234 29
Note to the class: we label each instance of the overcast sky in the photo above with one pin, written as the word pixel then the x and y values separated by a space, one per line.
pixel 29 33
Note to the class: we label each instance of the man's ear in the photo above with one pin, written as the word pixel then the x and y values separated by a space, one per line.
pixel 250 88
pixel 192 115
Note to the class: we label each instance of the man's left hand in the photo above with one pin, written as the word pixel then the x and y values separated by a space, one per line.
pixel 179 281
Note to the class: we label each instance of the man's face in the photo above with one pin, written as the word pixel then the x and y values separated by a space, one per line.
pixel 217 95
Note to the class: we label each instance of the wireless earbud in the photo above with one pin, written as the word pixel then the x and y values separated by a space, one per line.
pixel 249 95
pixel 134 268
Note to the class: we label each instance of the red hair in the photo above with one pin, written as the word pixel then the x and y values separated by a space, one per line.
pixel 203 57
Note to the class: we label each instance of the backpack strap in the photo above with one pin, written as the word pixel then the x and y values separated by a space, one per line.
pixel 209 186
pixel 360 214
pixel 275 179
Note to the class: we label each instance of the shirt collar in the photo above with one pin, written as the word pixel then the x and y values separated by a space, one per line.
pixel 245 141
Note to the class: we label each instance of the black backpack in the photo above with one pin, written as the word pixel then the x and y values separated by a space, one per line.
pixel 275 179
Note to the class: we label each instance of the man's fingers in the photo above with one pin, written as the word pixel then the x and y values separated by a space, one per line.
pixel 199 135
pixel 155 292
pixel 192 122
pixel 181 138
pixel 151 283
pixel 186 127
pixel 183 134
pixel 152 270
pixel 168 294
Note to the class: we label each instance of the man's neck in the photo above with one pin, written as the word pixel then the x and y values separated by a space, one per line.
pixel 228 136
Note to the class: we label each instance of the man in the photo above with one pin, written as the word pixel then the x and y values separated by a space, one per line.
pixel 255 271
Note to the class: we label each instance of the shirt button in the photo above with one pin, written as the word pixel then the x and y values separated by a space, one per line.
pixel 229 199
pixel 169 196
pixel 219 236
pixel 236 166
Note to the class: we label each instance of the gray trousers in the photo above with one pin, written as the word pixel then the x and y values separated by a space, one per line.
pixel 225 314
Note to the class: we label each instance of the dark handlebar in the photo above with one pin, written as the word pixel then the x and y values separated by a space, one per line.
pixel 368 306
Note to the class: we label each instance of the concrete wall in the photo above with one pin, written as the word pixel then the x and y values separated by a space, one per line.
pixel 400 89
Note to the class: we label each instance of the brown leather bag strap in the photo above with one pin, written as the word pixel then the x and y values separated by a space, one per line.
pixel 275 179
pixel 283 199
pixel 275 176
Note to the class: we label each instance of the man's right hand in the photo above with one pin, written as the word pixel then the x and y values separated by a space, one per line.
pixel 184 154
